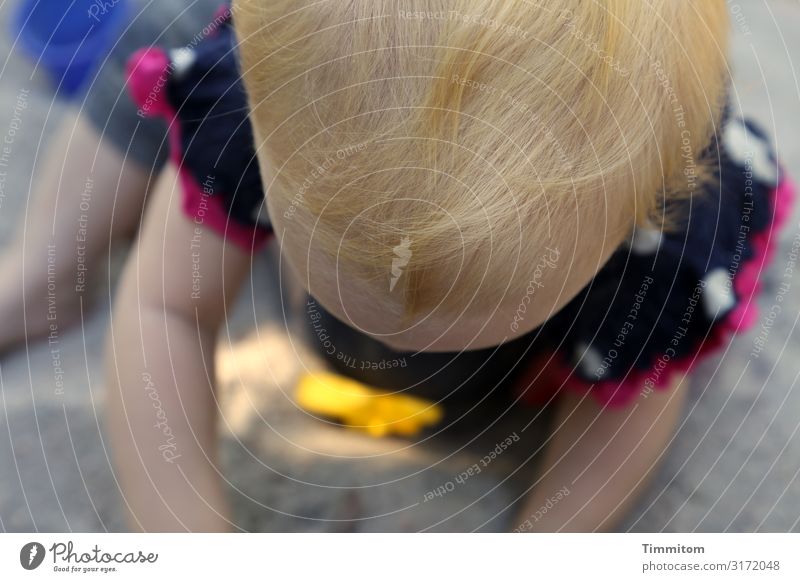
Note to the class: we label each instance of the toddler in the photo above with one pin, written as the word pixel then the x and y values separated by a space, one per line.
pixel 545 203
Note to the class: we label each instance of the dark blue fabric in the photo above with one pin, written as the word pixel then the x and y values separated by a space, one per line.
pixel 706 241
pixel 217 137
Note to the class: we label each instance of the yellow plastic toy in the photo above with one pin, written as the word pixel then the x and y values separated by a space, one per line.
pixel 365 408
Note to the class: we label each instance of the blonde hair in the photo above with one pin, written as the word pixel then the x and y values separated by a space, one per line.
pixel 460 131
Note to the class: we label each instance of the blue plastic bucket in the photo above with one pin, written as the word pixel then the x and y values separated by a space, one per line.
pixel 69 38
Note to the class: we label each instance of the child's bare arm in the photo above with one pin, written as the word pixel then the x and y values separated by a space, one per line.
pixel 598 461
pixel 162 406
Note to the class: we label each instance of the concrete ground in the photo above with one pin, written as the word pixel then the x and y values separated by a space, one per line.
pixel 733 466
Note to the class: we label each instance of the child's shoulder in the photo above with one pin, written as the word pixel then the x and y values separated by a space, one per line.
pixel 667 298
pixel 198 89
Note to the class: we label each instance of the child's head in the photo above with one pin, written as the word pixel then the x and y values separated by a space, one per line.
pixel 448 174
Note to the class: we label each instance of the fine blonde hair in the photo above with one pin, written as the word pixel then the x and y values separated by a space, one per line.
pixel 456 130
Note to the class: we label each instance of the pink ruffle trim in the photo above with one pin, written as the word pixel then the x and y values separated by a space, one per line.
pixel 746 282
pixel 148 74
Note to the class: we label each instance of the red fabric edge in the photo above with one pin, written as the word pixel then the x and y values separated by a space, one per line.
pixel 746 282
pixel 147 74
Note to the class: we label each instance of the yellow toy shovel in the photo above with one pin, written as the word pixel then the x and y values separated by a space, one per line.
pixel 362 407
